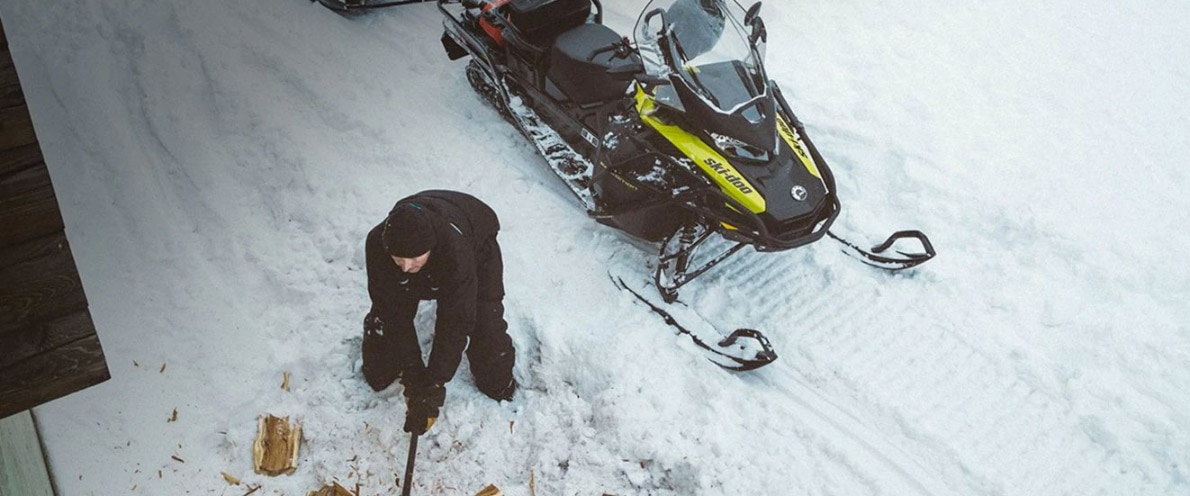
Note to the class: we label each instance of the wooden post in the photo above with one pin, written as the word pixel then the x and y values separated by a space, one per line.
pixel 22 464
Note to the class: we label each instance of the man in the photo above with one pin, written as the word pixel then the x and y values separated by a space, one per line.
pixel 436 245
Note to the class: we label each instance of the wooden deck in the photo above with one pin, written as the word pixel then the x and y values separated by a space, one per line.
pixel 48 344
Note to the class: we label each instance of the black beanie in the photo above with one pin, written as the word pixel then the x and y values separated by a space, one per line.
pixel 408 232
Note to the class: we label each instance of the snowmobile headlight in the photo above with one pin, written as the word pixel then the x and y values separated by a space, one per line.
pixel 738 149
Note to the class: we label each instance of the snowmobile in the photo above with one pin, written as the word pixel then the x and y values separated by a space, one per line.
pixel 676 138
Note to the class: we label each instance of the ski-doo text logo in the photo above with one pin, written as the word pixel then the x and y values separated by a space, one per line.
pixel 735 180
pixel 795 142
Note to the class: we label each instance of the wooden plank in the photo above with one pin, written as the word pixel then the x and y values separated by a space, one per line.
pixel 7 68
pixel 10 84
pixel 40 289
pixel 16 159
pixel 22 463
pixel 44 337
pixel 40 247
pixel 16 127
pixel 11 95
pixel 28 208
pixel 49 376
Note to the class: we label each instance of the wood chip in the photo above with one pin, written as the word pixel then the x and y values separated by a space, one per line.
pixel 334 490
pixel 179 460
pixel 173 417
pixel 275 450
pixel 490 491
pixel 231 479
pixel 285 381
pixel 162 367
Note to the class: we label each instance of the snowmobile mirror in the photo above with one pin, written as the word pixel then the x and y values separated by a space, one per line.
pixel 752 15
pixel 752 19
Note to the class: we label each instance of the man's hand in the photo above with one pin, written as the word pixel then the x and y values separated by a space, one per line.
pixel 422 404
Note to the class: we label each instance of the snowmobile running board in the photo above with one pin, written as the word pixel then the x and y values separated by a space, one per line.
pixel 742 350
pixel 358 6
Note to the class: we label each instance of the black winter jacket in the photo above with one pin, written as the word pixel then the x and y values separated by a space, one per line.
pixel 462 225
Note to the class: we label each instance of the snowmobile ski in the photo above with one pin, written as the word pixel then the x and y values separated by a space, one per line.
pixel 360 6
pixel 877 258
pixel 742 350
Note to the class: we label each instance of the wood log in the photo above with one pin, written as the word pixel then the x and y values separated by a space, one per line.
pixel 275 450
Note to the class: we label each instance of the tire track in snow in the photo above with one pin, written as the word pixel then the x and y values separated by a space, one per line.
pixel 886 383
pixel 780 291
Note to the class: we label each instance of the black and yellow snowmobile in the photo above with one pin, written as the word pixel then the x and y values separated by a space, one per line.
pixel 676 137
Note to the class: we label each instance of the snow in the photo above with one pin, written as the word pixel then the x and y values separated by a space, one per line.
pixel 218 164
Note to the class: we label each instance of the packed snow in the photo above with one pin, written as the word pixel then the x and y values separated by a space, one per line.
pixel 218 164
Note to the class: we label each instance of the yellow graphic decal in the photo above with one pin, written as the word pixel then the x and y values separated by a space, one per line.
pixel 799 148
pixel 710 161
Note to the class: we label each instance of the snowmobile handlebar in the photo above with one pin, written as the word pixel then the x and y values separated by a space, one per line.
pixel 621 49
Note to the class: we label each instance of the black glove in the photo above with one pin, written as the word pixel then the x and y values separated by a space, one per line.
pixel 379 357
pixel 422 404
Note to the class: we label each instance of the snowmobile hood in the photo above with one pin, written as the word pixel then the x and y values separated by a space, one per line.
pixel 792 182
pixel 787 187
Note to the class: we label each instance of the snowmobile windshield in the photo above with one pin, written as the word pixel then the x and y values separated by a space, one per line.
pixel 705 44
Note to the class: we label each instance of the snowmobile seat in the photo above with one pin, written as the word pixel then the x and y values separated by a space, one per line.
pixel 541 20
pixel 581 78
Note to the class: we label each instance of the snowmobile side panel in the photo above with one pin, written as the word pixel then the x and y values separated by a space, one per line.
pixel 706 158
